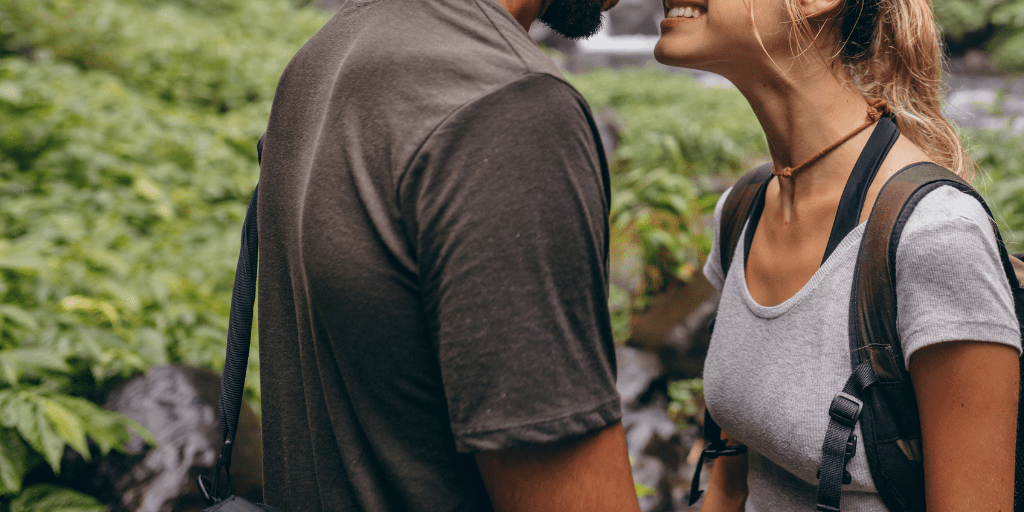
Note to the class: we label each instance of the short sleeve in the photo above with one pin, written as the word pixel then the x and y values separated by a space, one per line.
pixel 950 283
pixel 507 206
pixel 713 266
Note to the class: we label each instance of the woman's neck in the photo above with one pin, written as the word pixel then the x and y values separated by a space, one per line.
pixel 802 112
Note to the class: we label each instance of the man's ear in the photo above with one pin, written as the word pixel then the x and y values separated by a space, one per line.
pixel 820 9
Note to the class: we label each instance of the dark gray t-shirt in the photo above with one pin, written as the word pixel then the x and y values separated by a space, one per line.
pixel 433 259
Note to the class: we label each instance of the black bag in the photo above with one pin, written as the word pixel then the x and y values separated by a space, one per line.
pixel 879 392
pixel 243 297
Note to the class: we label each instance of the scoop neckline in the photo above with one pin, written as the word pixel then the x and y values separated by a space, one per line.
pixel 850 242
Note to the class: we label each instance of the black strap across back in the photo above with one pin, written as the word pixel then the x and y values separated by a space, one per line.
pixel 236 361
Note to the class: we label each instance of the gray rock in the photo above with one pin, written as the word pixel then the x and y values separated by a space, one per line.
pixel 648 427
pixel 687 342
pixel 653 443
pixel 651 472
pixel 178 405
pixel 637 369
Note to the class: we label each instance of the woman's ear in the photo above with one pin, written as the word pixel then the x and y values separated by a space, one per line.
pixel 820 9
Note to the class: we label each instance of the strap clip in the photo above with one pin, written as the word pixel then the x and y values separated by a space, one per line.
pixel 716 450
pixel 845 409
pixel 712 451
pixel 210 491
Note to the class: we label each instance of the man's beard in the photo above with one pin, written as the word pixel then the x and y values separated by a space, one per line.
pixel 575 19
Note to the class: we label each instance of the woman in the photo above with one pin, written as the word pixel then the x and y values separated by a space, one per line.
pixel 812 70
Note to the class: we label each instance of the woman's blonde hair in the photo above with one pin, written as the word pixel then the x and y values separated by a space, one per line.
pixel 892 50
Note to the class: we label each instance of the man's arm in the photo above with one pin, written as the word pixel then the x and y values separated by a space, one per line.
pixel 507 205
pixel 589 473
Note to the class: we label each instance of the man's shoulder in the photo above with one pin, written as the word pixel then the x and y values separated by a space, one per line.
pixel 442 44
pixel 386 75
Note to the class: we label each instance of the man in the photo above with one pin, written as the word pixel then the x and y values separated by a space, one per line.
pixel 434 332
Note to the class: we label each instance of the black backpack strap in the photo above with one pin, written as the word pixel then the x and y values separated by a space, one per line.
pixel 715 448
pixel 236 359
pixel 840 442
pixel 737 209
pixel 863 174
pixel 890 422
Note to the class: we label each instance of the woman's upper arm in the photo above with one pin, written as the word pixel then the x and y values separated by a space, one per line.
pixel 967 398
pixel 961 339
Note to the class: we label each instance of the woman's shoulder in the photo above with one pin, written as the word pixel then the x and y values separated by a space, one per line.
pixel 950 282
pixel 945 216
pixel 950 225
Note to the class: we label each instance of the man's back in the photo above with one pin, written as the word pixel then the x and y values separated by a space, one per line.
pixel 433 250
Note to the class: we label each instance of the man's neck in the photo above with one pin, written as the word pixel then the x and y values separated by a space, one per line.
pixel 525 11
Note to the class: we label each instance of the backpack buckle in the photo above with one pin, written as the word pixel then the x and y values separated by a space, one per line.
pixel 845 409
pixel 851 451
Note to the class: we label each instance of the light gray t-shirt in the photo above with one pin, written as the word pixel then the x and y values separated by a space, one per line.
pixel 771 372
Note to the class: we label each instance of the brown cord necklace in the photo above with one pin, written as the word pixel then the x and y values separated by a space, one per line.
pixel 876 109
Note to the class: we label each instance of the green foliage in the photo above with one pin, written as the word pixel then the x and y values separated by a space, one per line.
pixel 993 26
pixel 127 156
pixel 677 138
pixel 685 400
pixel 222 54
pixel 642 490
pixel 51 498
pixel 1001 181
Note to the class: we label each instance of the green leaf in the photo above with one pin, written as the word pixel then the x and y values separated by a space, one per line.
pixel 107 428
pixel 25 412
pixel 16 362
pixel 15 461
pixel 19 412
pixel 18 316
pixel 53 498
pixel 68 426
pixel 51 445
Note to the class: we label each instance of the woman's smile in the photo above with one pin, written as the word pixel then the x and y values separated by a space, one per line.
pixel 678 11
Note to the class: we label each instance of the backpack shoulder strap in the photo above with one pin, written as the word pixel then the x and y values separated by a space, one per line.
pixel 888 415
pixel 873 312
pixel 737 209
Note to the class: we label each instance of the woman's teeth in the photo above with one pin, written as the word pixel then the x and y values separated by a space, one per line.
pixel 685 12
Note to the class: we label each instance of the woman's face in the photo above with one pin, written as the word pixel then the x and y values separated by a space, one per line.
pixel 721 35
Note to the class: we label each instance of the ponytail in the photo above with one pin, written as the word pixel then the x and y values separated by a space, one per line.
pixel 903 65
pixel 891 49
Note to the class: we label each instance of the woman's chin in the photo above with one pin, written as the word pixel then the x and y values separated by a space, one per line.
pixel 665 54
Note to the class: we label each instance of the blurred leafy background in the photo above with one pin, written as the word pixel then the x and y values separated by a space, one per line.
pixel 127 155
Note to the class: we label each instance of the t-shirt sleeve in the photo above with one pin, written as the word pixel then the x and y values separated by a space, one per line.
pixel 713 266
pixel 950 283
pixel 507 206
